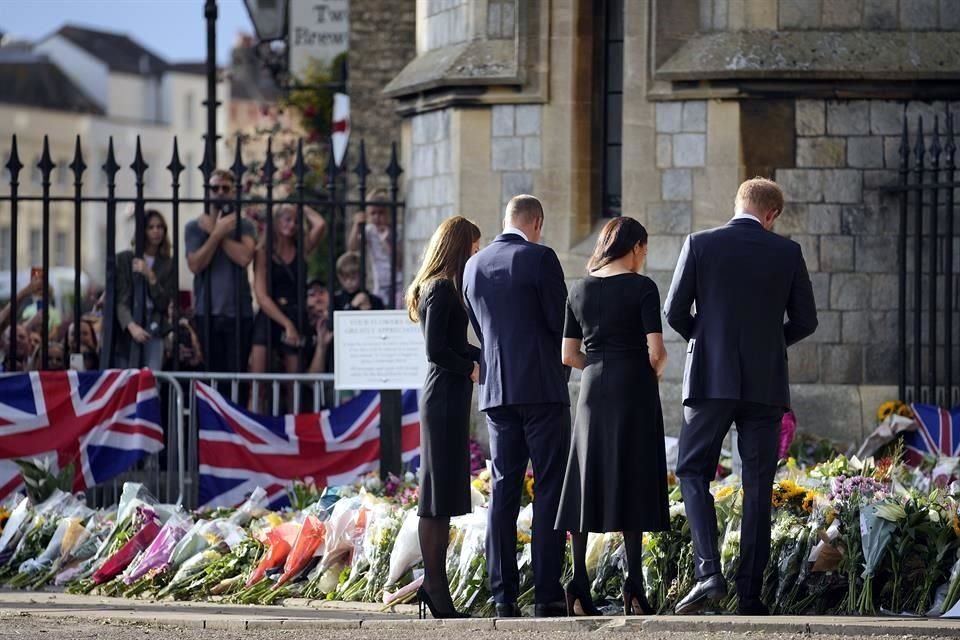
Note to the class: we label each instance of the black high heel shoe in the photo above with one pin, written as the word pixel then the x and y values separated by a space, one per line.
pixel 635 600
pixel 425 602
pixel 576 594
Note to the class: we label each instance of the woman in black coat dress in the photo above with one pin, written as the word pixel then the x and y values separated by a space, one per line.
pixel 616 476
pixel 435 300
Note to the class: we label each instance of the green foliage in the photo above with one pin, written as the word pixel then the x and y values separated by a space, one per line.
pixel 41 481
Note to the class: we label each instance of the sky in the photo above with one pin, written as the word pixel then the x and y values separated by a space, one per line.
pixel 173 29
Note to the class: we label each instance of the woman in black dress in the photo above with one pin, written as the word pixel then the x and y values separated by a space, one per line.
pixel 616 477
pixel 435 300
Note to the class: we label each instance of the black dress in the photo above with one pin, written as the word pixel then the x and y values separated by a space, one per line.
pixel 616 476
pixel 445 403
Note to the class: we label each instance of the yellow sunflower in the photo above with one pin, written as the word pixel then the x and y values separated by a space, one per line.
pixel 528 486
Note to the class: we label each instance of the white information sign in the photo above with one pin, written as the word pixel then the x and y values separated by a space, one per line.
pixel 377 350
pixel 319 30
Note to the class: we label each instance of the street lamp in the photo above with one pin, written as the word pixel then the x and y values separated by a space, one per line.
pixel 269 18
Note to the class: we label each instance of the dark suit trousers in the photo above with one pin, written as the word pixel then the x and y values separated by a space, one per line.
pixel 518 434
pixel 705 423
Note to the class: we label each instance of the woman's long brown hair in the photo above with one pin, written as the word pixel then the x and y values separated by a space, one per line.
pixel 445 257
pixel 617 238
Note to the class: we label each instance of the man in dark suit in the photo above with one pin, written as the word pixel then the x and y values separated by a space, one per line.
pixel 743 279
pixel 515 295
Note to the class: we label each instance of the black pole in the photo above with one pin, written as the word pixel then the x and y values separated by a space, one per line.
pixel 46 168
pixel 919 153
pixel 13 167
pixel 210 13
pixel 902 259
pixel 391 425
pixel 175 168
pixel 934 214
pixel 948 269
pixel 78 168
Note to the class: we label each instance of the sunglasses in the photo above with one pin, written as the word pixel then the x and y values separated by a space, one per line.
pixel 221 188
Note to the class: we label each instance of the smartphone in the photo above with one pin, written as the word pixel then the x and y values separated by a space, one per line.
pixel 40 304
pixel 76 362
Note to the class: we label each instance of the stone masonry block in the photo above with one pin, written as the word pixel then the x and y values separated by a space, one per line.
pixel 677 184
pixel 841 364
pixel 843 185
pixel 695 116
pixel 879 178
pixel 849 291
pixel 793 220
pixel 663 253
pixel 918 14
pixel 856 327
pixel 884 291
pixel 799 14
pixel 865 153
pixel 811 118
pixel 689 150
pixel 803 362
pixel 531 152
pixel 821 287
pixel 810 247
pixel 514 183
pixel 876 254
pixel 848 118
pixel 801 185
pixel 949 15
pixel 528 119
pixel 842 14
pixel 883 327
pixel 721 10
pixel 507 154
pixel 836 253
pixel 858 219
pixel 821 152
pixel 881 364
pixel 502 117
pixel 879 14
pixel 891 152
pixel 823 219
pixel 669 217
pixel 828 327
pixel 664 151
pixel 886 118
pixel 423 160
pixel 669 117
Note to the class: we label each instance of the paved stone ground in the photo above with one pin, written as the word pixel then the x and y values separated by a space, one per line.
pixel 67 617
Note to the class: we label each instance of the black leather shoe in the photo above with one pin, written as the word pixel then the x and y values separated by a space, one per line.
pixel 508 610
pixel 752 607
pixel 550 609
pixel 707 590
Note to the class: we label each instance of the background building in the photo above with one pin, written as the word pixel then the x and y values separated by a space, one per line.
pixel 658 110
pixel 97 85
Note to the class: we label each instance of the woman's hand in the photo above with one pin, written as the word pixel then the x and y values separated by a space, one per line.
pixel 291 336
pixel 138 333
pixel 140 266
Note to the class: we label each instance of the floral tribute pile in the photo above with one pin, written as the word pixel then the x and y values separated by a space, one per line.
pixel 849 536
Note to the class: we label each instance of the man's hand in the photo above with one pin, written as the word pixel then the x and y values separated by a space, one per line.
pixel 138 333
pixel 475 374
pixel 359 218
pixel 225 225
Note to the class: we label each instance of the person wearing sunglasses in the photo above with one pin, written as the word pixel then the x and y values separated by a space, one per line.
pixel 213 253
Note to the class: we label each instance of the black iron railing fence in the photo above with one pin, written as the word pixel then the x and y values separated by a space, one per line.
pixel 335 194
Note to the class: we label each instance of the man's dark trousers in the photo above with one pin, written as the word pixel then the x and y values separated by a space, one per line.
pixel 518 433
pixel 705 423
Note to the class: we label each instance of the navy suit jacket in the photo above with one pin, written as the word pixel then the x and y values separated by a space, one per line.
pixel 516 297
pixel 743 279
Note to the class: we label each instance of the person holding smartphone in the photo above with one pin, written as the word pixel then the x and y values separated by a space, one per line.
pixel 213 255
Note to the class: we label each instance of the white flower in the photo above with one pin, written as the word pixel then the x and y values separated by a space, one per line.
pixel 934 515
pixel 409 476
pixel 677 509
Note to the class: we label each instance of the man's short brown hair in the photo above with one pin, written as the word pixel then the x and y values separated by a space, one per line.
pixel 762 193
pixel 525 208
pixel 223 174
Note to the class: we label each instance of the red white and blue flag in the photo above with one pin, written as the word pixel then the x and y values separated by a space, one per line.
pixel 102 422
pixel 240 450
pixel 937 433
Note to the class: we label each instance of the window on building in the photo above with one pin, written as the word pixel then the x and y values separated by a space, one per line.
pixel 612 108
pixel 36 176
pixel 189 105
pixel 501 19
pixel 36 247
pixel 63 173
pixel 60 241
pixel 186 178
pixel 5 248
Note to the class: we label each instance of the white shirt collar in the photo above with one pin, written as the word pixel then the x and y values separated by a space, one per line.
pixel 516 231
pixel 745 214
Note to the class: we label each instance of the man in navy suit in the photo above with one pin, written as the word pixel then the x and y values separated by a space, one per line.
pixel 515 295
pixel 743 279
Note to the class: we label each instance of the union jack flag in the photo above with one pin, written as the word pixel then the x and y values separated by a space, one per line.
pixel 937 433
pixel 102 422
pixel 240 450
